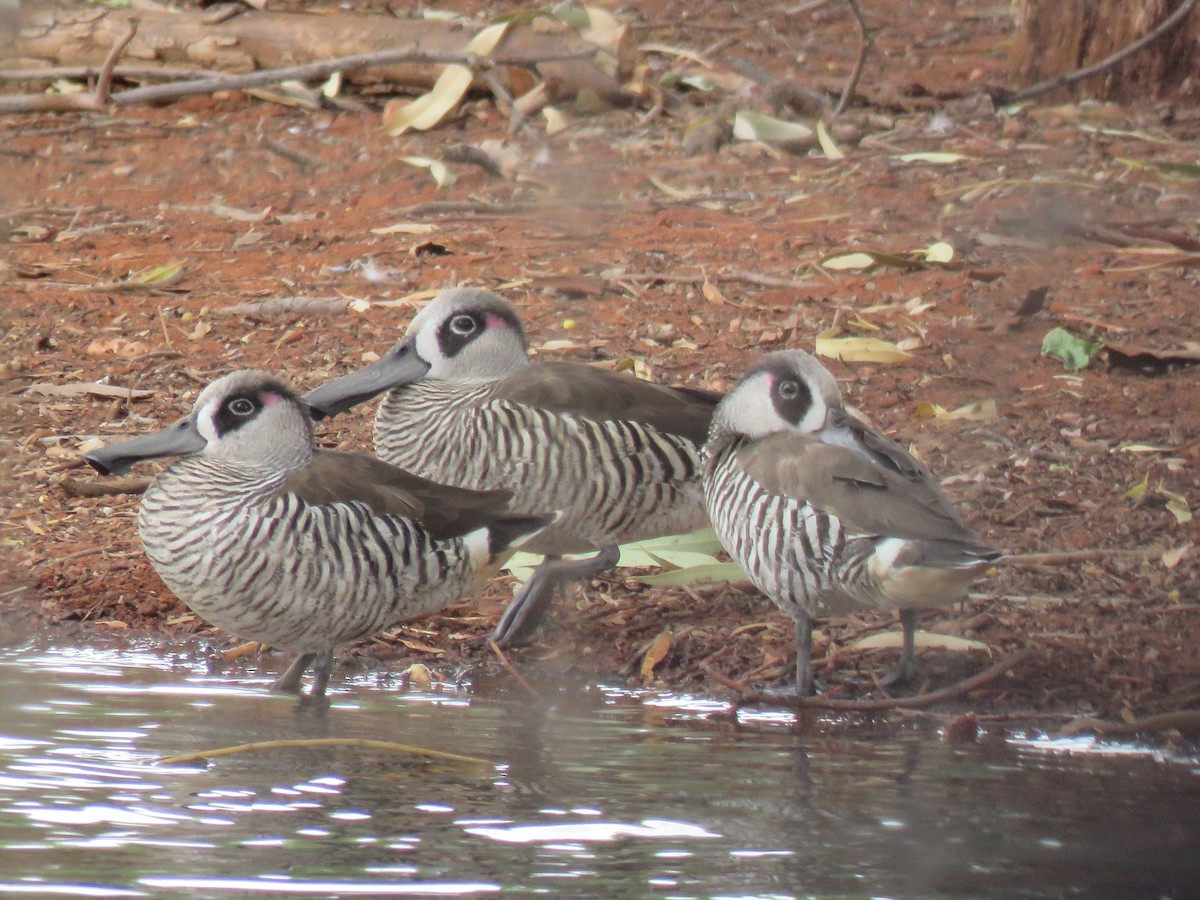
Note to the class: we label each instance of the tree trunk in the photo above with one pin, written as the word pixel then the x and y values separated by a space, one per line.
pixel 1055 37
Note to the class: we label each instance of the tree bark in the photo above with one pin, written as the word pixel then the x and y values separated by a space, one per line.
pixel 43 33
pixel 1055 37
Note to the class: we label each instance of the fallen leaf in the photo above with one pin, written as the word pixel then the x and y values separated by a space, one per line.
pixel 712 293
pixel 940 252
pixel 439 170
pixel 655 654
pixel 447 92
pixel 418 676
pixel 935 157
pixel 860 349
pixel 711 572
pixel 1074 351
pixel 117 346
pixel 978 411
pixel 91 388
pixel 423 648
pixel 555 120
pixel 406 228
pixel 752 126
pixel 1171 558
pixel 1138 488
pixel 895 639
pixel 828 145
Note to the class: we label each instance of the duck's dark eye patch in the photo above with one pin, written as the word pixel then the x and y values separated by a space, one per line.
pixel 236 412
pixel 458 331
pixel 792 399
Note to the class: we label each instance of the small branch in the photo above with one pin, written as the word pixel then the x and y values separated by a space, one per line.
pixel 309 71
pixel 85 72
pixel 73 487
pixel 1097 68
pixel 509 666
pixel 104 81
pixel 865 41
pixel 1185 720
pixel 1069 556
pixel 364 743
pixel 946 693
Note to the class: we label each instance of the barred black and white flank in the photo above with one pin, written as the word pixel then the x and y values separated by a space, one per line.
pixel 304 550
pixel 825 513
pixel 618 456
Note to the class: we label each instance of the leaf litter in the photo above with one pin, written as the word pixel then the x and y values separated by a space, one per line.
pixel 582 204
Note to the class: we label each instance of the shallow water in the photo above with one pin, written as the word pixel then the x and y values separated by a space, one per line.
pixel 596 793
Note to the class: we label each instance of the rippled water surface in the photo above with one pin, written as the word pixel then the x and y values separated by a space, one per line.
pixel 601 793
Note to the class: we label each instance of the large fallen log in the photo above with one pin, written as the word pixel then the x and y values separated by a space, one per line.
pixel 43 34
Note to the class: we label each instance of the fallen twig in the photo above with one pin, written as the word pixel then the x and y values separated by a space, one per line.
pixel 1097 68
pixel 1058 558
pixel 95 100
pixel 82 73
pixel 865 40
pixel 365 743
pixel 946 693
pixel 511 670
pixel 1186 720
pixel 323 69
pixel 73 487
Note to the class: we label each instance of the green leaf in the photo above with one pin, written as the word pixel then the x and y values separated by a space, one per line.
pixel 711 572
pixel 1074 351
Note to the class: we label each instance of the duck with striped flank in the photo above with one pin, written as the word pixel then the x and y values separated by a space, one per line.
pixel 825 513
pixel 464 404
pixel 271 539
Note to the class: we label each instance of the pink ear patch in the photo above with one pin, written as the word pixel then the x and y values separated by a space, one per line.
pixel 269 398
pixel 491 320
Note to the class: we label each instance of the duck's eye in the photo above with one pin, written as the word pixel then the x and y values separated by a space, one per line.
pixel 240 406
pixel 789 390
pixel 463 324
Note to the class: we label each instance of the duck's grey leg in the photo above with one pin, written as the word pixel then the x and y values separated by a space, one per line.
pixel 802 631
pixel 289 681
pixel 907 667
pixel 525 614
pixel 321 672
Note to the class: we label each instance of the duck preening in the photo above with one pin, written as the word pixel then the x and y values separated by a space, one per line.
pixel 269 538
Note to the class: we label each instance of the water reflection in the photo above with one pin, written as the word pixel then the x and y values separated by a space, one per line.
pixel 593 792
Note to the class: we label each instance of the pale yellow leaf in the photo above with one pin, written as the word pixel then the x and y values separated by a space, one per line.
pixel 752 126
pixel 555 120
pixel 406 228
pixel 439 170
pixel 860 349
pixel 895 639
pixel 655 654
pixel 935 157
pixel 712 293
pixel 849 262
pixel 447 92
pixel 941 252
pixel 828 145
pixel 1171 558
pixel 419 676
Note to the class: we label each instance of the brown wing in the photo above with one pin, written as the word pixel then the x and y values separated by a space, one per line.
pixel 867 494
pixel 600 395
pixel 445 511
